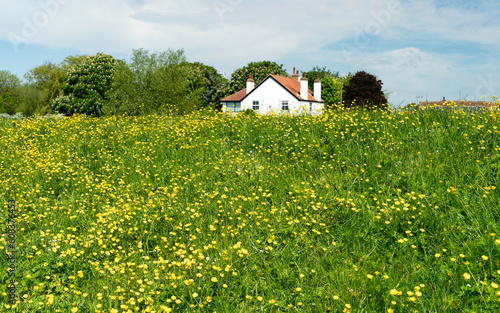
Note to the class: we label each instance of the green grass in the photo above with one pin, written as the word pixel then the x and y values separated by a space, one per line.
pixel 351 211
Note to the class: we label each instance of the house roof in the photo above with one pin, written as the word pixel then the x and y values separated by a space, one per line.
pixel 237 96
pixel 292 85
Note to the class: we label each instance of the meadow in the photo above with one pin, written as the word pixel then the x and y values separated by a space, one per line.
pixel 350 211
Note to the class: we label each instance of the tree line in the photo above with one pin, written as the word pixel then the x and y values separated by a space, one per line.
pixel 160 82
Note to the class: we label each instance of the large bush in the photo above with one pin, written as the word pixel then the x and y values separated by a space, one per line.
pixel 330 91
pixel 365 90
pixel 87 86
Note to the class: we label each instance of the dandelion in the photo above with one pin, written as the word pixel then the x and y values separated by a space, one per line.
pixel 467 276
pixel 484 257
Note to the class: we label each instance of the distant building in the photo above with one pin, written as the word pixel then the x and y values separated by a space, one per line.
pixel 277 94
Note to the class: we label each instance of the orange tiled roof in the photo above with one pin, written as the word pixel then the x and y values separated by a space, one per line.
pixel 293 85
pixel 237 96
pixel 290 84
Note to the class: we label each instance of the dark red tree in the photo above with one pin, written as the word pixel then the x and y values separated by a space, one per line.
pixel 365 90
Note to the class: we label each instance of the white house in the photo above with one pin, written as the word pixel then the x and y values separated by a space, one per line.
pixel 277 94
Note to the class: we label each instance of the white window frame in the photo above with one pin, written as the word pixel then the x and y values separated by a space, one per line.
pixel 233 106
pixel 284 105
pixel 255 105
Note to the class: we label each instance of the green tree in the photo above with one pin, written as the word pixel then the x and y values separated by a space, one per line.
pixel 30 100
pixel 330 91
pixel 10 98
pixel 49 80
pixel 157 82
pixel 124 96
pixel 259 70
pixel 365 90
pixel 321 73
pixel 87 86
pixel 72 61
pixel 161 82
pixel 212 82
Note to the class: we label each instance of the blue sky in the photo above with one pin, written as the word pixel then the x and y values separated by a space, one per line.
pixel 426 49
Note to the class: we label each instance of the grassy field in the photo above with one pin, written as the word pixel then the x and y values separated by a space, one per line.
pixel 345 212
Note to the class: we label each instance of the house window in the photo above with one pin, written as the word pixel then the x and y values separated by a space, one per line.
pixel 284 105
pixel 233 106
pixel 310 106
pixel 255 105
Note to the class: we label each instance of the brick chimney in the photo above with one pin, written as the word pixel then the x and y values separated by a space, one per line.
pixel 304 90
pixel 317 89
pixel 250 84
pixel 296 75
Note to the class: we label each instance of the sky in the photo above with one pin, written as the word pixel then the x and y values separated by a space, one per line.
pixel 420 49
